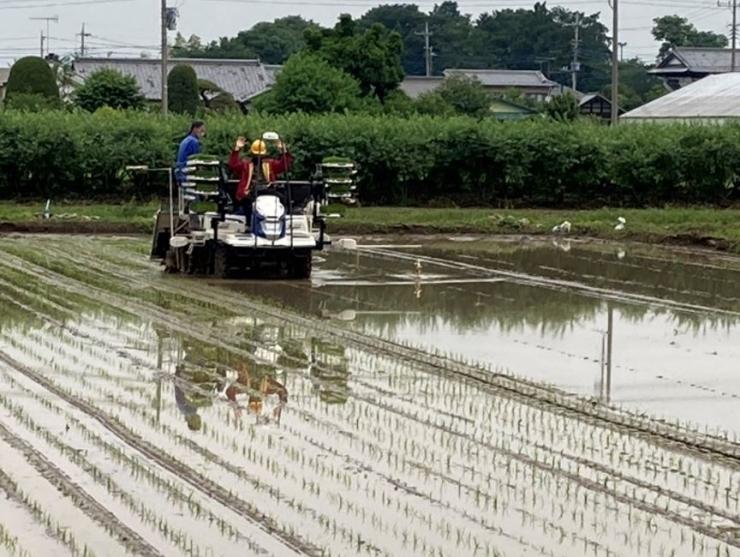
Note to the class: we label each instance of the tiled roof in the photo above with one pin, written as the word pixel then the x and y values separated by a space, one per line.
pixel 697 59
pixel 244 79
pixel 506 78
pixel 415 85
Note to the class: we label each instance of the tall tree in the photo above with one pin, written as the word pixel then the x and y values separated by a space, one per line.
pixel 372 57
pixel 408 21
pixel 272 42
pixel 675 30
pixel 543 38
pixel 636 85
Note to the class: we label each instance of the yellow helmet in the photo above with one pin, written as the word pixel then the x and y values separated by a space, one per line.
pixel 258 147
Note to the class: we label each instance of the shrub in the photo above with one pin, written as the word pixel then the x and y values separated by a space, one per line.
pixel 31 76
pixel 183 96
pixel 466 95
pixel 111 88
pixel 414 160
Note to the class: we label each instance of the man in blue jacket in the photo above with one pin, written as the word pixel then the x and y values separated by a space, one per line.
pixel 188 147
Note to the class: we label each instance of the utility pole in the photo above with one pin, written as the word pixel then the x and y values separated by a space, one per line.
pixel 575 65
pixel 46 38
pixel 615 62
pixel 733 32
pixel 82 36
pixel 164 57
pixel 427 49
pixel 41 53
pixel 621 51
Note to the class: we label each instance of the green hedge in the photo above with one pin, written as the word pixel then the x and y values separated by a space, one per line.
pixel 420 160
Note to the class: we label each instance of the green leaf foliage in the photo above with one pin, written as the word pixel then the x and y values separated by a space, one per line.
pixel 307 83
pixel 110 88
pixel 415 160
pixel 183 95
pixel 31 76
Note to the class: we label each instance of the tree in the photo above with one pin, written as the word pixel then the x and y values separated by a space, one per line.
pixel 107 87
pixel 636 85
pixel 563 108
pixel 308 83
pixel 433 104
pixel 32 76
pixel 372 57
pixel 675 30
pixel 454 39
pixel 465 95
pixel 408 21
pixel 272 42
pixel 542 37
pixel 182 90
pixel 214 98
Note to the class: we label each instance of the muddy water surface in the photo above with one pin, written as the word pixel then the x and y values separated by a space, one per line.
pixel 550 311
pixel 151 414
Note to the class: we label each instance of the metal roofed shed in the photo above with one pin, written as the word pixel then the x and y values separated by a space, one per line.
pixel 243 79
pixel 713 99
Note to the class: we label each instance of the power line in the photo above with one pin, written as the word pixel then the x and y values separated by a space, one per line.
pixel 56 4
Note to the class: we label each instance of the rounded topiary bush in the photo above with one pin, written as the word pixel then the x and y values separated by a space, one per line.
pixel 183 95
pixel 31 76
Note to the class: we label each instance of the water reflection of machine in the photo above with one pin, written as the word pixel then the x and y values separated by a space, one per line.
pixel 329 371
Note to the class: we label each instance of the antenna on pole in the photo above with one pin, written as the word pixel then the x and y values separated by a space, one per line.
pixel 82 36
pixel 427 49
pixel 47 19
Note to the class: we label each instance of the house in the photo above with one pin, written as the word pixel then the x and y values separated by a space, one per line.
pixel 714 99
pixel 243 79
pixel 506 110
pixel 530 83
pixel 4 74
pixel 594 104
pixel 684 65
pixel 416 85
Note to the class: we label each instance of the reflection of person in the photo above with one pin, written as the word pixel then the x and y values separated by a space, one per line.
pixel 191 394
pixel 254 389
pixel 261 163
pixel 188 147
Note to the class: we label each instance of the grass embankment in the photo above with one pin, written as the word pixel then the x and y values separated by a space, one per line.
pixel 717 228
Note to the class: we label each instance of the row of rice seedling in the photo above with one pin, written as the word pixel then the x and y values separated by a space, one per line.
pixel 158 503
pixel 374 408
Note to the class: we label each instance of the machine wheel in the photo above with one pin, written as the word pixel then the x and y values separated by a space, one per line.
pixel 221 263
pixel 170 261
pixel 300 267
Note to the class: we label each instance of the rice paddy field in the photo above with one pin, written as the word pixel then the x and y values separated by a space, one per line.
pixel 445 397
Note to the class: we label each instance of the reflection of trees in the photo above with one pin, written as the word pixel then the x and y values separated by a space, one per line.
pixel 329 371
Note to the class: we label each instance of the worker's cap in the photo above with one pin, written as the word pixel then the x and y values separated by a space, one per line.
pixel 258 147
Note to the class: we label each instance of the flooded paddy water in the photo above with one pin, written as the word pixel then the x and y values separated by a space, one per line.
pixel 456 398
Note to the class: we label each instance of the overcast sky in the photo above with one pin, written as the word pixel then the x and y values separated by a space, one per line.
pixel 124 27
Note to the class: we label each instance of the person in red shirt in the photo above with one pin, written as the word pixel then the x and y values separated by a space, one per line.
pixel 258 165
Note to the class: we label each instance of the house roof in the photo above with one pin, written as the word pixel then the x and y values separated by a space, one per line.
pixel 712 97
pixel 415 85
pixel 244 79
pixel 695 59
pixel 506 78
